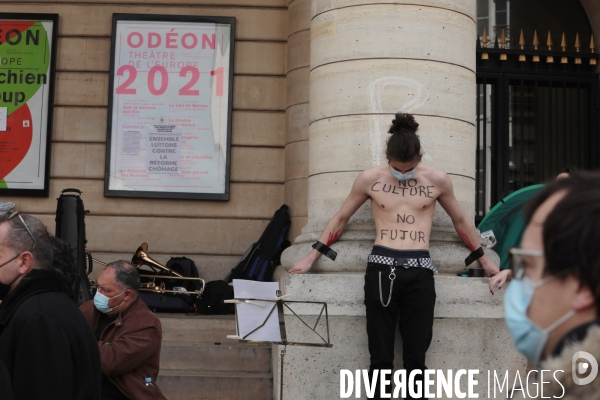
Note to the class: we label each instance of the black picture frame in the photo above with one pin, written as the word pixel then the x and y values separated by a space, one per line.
pixel 110 161
pixel 44 152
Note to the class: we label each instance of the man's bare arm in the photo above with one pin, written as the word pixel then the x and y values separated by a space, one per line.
pixel 461 222
pixel 356 198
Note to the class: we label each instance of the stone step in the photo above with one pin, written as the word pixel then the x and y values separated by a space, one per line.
pixel 197 328
pixel 240 357
pixel 204 385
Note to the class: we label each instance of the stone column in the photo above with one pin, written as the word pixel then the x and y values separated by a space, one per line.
pixel 368 60
pixel 296 114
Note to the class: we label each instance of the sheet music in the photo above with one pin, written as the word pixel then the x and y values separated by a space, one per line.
pixel 251 316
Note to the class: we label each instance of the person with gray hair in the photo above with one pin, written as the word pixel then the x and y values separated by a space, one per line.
pixel 128 334
pixel 46 344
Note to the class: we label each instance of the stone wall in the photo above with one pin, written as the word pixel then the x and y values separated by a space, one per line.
pixel 213 233
pixel 592 9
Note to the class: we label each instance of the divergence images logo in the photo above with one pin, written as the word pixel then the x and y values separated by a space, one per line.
pixel 581 367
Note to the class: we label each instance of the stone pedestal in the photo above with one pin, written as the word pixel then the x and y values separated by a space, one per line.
pixel 468 333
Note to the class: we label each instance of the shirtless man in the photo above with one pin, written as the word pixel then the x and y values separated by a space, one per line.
pixel 399 278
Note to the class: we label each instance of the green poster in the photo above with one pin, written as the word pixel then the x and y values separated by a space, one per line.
pixel 27 50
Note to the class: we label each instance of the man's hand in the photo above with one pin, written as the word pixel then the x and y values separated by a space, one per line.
pixel 489 267
pixel 302 266
pixel 500 279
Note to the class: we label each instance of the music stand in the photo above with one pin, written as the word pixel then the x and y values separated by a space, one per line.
pixel 257 322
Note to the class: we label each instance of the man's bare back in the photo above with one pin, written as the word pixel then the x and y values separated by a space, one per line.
pixel 402 210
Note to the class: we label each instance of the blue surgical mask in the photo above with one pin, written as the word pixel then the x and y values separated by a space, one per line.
pixel 403 177
pixel 101 302
pixel 527 337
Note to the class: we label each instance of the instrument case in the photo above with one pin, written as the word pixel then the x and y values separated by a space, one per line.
pixel 70 227
pixel 167 302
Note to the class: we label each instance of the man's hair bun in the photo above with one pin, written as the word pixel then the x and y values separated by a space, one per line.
pixel 404 144
pixel 403 122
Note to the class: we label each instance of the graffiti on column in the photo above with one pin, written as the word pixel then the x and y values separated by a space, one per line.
pixel 416 96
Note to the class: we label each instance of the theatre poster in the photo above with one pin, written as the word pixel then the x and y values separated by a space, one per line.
pixel 170 102
pixel 27 66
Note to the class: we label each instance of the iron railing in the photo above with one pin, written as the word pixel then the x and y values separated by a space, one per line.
pixel 537 113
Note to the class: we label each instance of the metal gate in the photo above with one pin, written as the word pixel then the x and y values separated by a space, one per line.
pixel 537 113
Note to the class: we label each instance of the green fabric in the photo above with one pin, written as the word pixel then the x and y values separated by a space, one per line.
pixel 506 221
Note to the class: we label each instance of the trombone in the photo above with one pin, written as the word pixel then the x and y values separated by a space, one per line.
pixel 141 257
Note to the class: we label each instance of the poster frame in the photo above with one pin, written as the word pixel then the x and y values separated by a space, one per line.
pixel 224 196
pixel 45 191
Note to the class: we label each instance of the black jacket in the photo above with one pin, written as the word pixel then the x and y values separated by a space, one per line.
pixel 46 344
pixel 5 384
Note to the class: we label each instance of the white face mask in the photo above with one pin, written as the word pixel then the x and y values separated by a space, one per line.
pixel 403 177
pixel 527 337
pixel 101 302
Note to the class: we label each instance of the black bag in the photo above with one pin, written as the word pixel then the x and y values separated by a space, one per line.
pixel 187 268
pixel 70 227
pixel 211 302
pixel 260 260
pixel 167 302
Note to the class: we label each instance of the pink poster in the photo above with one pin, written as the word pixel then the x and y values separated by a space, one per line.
pixel 170 111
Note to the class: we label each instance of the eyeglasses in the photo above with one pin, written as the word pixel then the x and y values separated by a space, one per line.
pixel 16 214
pixel 517 257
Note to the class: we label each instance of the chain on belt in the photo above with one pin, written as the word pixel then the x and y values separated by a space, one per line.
pixel 392 277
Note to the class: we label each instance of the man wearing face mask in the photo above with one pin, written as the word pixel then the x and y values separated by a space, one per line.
pixel 129 335
pixel 46 344
pixel 399 278
pixel 552 303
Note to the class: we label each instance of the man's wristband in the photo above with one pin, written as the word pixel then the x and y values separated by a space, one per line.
pixel 325 250
pixel 475 255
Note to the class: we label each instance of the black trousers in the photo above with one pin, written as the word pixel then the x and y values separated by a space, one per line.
pixel 413 300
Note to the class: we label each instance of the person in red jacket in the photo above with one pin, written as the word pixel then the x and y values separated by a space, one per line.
pixel 129 335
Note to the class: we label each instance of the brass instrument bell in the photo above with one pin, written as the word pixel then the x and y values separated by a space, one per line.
pixel 141 257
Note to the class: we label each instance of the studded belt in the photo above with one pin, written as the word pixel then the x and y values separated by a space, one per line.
pixel 424 262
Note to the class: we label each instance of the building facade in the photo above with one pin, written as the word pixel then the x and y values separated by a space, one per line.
pixel 316 84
